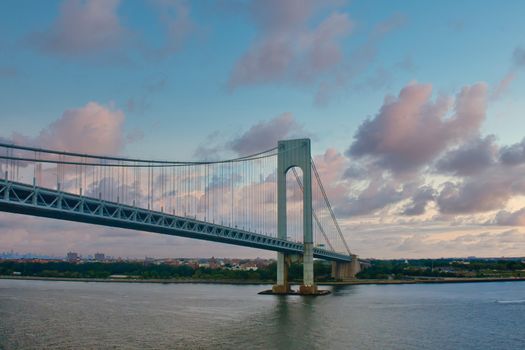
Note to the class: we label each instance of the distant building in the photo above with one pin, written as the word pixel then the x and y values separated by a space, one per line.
pixel 249 267
pixel 214 263
pixel 262 263
pixel 444 269
pixel 72 257
pixel 100 257
pixel 172 262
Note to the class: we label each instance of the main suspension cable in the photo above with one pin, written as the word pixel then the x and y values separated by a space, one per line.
pixel 313 211
pixel 323 192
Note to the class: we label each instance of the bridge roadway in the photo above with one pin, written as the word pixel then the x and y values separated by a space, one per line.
pixel 31 200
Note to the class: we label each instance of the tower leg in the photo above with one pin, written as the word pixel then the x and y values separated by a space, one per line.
pixel 308 286
pixel 282 285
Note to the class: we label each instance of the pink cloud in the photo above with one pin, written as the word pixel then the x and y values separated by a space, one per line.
pixel 380 191
pixel 331 166
pixel 287 48
pixel 93 128
pixel 411 130
pixel 412 136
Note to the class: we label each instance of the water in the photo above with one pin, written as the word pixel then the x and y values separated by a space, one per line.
pixel 66 315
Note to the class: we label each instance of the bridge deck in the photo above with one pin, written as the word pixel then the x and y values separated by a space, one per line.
pixel 21 198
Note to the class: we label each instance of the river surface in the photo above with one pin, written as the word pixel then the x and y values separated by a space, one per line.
pixel 82 315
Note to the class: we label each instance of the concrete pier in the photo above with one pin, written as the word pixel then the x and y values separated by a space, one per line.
pixel 282 286
pixel 346 271
pixel 308 286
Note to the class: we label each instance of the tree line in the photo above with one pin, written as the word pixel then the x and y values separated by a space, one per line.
pixel 139 270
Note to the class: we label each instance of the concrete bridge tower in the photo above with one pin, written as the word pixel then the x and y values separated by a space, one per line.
pixel 295 153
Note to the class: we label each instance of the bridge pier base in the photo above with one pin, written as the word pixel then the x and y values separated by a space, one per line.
pixel 346 271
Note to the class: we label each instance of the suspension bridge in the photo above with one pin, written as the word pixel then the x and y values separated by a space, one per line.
pixel 272 200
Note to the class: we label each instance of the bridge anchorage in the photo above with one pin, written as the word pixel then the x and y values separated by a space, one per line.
pixel 257 201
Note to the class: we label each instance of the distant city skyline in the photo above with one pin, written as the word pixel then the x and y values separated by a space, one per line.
pixel 414 110
pixel 93 256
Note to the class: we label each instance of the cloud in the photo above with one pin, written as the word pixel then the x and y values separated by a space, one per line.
pixel 470 158
pixel 379 79
pixel 490 176
pixel 518 62
pixel 423 196
pixel 503 85
pixel 397 154
pixel 175 17
pixel 141 102
pixel 406 64
pixel 94 29
pixel 513 154
pixel 484 192
pixel 261 136
pixel 358 61
pixel 212 148
pixel 264 135
pixel 506 218
pixel 331 166
pixel 356 171
pixel 287 47
pixel 429 151
pixel 488 244
pixel 93 128
pixel 134 135
pixel 518 57
pixel 83 28
pixel 378 194
pixel 411 130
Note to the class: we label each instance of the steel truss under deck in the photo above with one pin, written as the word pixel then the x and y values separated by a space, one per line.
pixel 21 198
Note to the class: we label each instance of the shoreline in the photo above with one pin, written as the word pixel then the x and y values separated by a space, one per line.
pixel 429 281
pixel 238 282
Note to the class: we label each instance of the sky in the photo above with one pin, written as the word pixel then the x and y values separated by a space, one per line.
pixel 413 108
